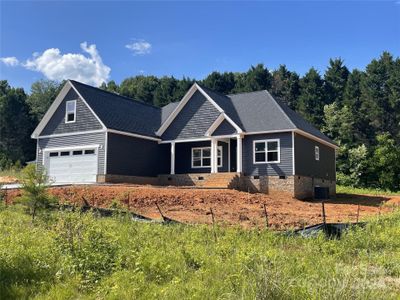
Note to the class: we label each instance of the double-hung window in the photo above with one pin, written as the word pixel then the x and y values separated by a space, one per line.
pixel 70 111
pixel 201 157
pixel 266 151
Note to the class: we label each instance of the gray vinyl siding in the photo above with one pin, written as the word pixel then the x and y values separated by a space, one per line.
pixel 284 168
pixel 85 120
pixel 305 163
pixel 183 157
pixel 72 141
pixel 193 120
pixel 225 128
pixel 135 157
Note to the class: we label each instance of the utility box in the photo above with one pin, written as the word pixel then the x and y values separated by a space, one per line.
pixel 321 193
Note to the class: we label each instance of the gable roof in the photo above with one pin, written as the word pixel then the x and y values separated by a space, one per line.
pixel 121 113
pixel 258 111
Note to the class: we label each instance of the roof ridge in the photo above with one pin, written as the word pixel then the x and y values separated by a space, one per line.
pixel 218 93
pixel 229 95
pixel 131 100
pixel 278 103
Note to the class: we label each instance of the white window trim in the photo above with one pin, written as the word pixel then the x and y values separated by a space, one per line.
pixel 266 151
pixel 316 153
pixel 66 111
pixel 201 157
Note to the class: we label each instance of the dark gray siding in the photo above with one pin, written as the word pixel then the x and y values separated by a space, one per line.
pixel 135 157
pixel 305 163
pixel 183 157
pixel 284 168
pixel 225 128
pixel 72 141
pixel 85 120
pixel 193 120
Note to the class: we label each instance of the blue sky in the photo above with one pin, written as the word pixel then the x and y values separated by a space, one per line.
pixel 188 38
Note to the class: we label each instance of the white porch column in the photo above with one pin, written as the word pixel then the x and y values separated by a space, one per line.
pixel 239 154
pixel 214 164
pixel 172 158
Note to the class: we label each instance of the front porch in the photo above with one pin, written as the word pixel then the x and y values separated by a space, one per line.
pixel 206 155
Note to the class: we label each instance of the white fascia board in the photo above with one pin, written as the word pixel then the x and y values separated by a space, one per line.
pixel 187 140
pixel 145 137
pixel 313 137
pixel 53 107
pixel 70 133
pixel 268 131
pixel 215 125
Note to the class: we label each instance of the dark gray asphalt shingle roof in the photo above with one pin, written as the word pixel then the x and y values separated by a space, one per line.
pixel 119 112
pixel 252 112
pixel 259 111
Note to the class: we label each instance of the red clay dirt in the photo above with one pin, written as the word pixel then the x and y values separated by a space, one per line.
pixel 229 206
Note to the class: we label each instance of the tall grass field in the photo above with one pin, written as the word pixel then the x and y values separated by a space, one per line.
pixel 66 255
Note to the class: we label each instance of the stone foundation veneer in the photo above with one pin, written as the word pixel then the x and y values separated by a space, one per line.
pixel 301 187
pixel 183 179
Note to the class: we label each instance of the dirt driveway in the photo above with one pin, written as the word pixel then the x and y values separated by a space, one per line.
pixel 229 206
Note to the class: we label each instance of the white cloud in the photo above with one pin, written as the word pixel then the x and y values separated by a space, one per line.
pixel 11 61
pixel 140 47
pixel 56 66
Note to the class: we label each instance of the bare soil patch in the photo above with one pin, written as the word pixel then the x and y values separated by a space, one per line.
pixel 230 206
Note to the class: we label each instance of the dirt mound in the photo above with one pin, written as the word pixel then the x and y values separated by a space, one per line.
pixel 229 206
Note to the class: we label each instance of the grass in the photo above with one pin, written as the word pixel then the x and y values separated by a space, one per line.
pixel 69 255
pixel 363 191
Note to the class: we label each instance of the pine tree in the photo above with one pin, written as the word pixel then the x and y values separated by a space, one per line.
pixel 335 81
pixel 222 83
pixel 165 91
pixel 285 86
pixel 311 99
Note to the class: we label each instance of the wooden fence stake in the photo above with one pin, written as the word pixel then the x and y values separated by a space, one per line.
pixel 323 212
pixel 213 222
pixel 358 212
pixel 266 216
pixel 129 201
pixel 159 210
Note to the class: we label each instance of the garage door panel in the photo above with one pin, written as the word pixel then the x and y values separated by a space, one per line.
pixel 72 168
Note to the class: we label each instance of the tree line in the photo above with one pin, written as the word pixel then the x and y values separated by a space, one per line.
pixel 358 109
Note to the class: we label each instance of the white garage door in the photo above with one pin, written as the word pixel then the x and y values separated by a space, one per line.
pixel 72 166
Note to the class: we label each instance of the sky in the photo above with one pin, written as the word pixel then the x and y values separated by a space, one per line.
pixel 94 41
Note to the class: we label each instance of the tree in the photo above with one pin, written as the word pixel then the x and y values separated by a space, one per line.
pixel 16 125
pixel 140 88
pixel 339 124
pixel 311 99
pixel 256 79
pixel 385 162
pixel 335 81
pixel 43 93
pixel 111 86
pixel 182 87
pixel 375 91
pixel 165 91
pixel 222 83
pixel 285 86
pixel 34 190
